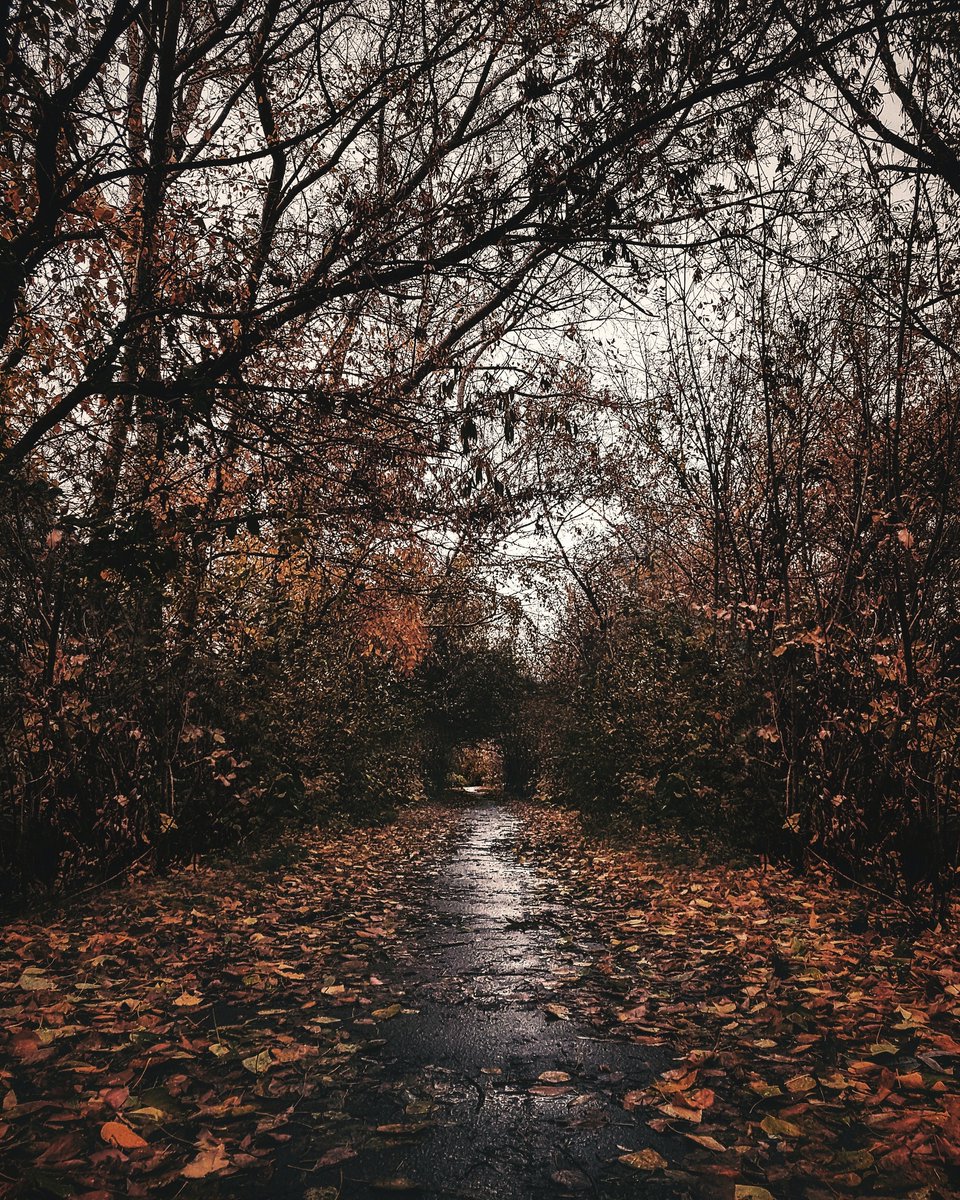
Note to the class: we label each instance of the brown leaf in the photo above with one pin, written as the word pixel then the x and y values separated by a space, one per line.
pixel 574 1180
pixel 546 1089
pixel 208 1161
pixel 337 1154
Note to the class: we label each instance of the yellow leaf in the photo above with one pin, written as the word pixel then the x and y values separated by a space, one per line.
pixel 681 1113
pixel 879 1048
pixel 151 1113
pixel 33 980
pixel 835 1082
pixel 49 1035
pixel 385 1014
pixel 257 1064
pixel 779 1129
pixel 709 1143
pixel 644 1160
pixel 744 1191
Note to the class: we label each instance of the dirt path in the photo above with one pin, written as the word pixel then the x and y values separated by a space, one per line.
pixel 477 1001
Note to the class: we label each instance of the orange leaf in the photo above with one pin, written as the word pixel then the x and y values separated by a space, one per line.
pixel 118 1134
pixel 188 1000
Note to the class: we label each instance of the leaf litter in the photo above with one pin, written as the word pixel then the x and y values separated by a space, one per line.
pixel 817 1043
pixel 190 1031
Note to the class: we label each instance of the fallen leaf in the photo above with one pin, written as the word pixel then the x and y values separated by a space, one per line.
pixel 337 1154
pixel 780 1129
pixel 115 1133
pixel 801 1084
pixel 708 1143
pixel 258 1064
pixel 574 1180
pixel 879 1049
pixel 558 1011
pixel 207 1162
pixel 546 1089
pixel 33 980
pixel 681 1113
pixel 644 1160
pixel 188 1000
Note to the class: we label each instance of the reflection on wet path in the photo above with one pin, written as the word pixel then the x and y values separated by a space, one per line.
pixel 476 1036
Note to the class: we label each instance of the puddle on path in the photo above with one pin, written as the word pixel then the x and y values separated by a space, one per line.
pixel 478 977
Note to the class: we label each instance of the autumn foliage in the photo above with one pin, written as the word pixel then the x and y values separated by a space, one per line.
pixel 358 360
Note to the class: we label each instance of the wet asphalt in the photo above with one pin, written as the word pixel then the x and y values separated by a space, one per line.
pixel 457 1066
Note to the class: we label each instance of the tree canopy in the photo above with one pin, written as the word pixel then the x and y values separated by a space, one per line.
pixel 359 356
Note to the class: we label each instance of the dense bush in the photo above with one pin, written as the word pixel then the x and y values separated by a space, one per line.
pixel 650 722
pixel 148 713
pixel 787 742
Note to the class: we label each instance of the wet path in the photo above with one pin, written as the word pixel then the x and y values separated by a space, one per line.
pixel 457 1005
pixel 491 1087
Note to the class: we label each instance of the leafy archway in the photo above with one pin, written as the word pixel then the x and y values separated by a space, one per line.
pixel 471 695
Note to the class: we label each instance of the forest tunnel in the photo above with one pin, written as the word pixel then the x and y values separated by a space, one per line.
pixel 477 727
pixel 477 765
